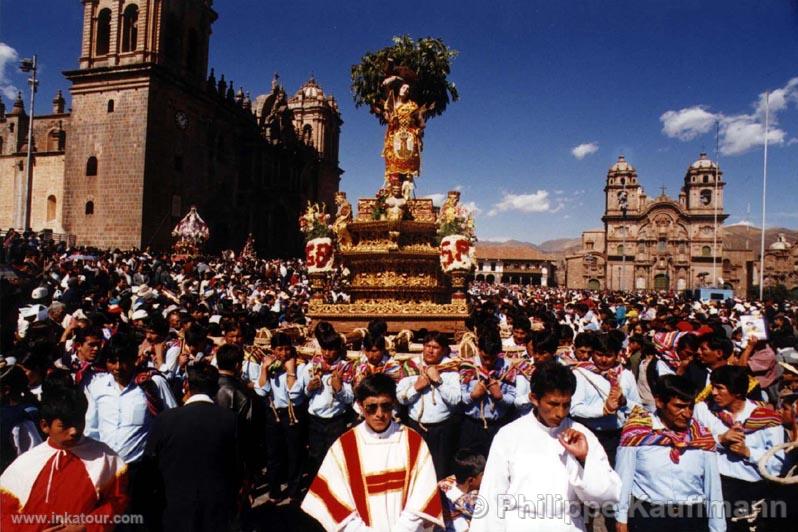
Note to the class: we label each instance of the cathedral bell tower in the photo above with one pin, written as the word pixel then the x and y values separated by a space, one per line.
pixel 317 123
pixel 137 58
pixel 703 186
pixel 623 205
pixel 622 189
pixel 170 33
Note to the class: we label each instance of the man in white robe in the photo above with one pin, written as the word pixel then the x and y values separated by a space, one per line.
pixel 543 468
pixel 378 475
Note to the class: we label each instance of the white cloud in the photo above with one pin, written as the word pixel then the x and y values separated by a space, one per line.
pixel 583 150
pixel 7 55
pixel 739 132
pixel 742 132
pixel 495 238
pixel 792 141
pixel 437 198
pixel 471 206
pixel 687 123
pixel 528 203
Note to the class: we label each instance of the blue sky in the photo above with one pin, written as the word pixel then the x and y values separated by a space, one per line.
pixel 537 79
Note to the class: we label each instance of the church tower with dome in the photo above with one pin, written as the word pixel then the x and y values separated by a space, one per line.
pixel 152 130
pixel 318 124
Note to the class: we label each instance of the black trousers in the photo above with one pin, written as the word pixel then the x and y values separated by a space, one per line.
pixel 441 439
pixel 609 440
pixel 322 433
pixel 475 436
pixel 647 517
pixel 740 495
pixel 285 449
pixel 142 490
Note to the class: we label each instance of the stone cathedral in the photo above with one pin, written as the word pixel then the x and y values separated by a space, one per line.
pixel 657 242
pixel 151 132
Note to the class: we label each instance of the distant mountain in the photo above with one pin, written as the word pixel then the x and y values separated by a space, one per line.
pixel 560 244
pixel 746 236
pixel 735 236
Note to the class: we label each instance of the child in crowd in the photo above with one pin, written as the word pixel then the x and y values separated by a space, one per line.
pixel 460 490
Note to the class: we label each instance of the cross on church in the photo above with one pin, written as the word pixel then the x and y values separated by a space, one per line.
pixel 663 189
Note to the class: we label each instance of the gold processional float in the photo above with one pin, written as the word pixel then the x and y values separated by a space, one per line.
pixel 407 261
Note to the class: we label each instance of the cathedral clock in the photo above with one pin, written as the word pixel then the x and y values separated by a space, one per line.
pixel 181 119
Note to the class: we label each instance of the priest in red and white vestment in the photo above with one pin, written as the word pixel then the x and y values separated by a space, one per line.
pixel 378 475
pixel 67 480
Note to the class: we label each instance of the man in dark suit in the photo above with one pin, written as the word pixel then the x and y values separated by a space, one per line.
pixel 193 450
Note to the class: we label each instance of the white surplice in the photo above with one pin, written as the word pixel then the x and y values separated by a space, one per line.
pixel 532 483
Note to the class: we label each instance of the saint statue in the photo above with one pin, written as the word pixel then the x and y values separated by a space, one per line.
pixel 342 218
pixel 403 137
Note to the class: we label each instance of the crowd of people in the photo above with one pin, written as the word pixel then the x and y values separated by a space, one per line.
pixel 186 391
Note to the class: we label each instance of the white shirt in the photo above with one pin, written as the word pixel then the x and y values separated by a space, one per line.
pixel 120 417
pixel 198 398
pixel 591 393
pixel 25 436
pixel 731 464
pixel 525 460
pixel 435 403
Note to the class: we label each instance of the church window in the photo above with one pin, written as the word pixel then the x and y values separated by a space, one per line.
pixel 661 245
pixel 706 179
pixel 623 180
pixel 706 197
pixel 130 28
pixel 11 127
pixel 620 249
pixel 706 251
pixel 589 245
pixel 682 248
pixel 192 51
pixel 493 266
pixel 220 149
pixel 103 34
pixel 110 106
pixel 51 204
pixel 307 134
pixel 641 248
pixel 89 208
pixel 54 140
pixel 91 166
pixel 172 39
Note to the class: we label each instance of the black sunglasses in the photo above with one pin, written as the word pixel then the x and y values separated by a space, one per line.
pixel 371 409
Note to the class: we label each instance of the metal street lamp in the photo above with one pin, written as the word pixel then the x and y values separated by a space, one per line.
pixel 29 65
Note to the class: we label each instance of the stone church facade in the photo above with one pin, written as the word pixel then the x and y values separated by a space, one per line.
pixel 650 243
pixel 662 243
pixel 152 132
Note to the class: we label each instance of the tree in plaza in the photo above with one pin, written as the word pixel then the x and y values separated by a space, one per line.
pixel 425 64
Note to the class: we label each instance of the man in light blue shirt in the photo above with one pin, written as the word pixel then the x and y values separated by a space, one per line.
pixel 120 410
pixel 605 393
pixel 286 419
pixel 668 467
pixel 487 392
pixel 745 432
pixel 327 384
pixel 433 398
pixel 122 406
